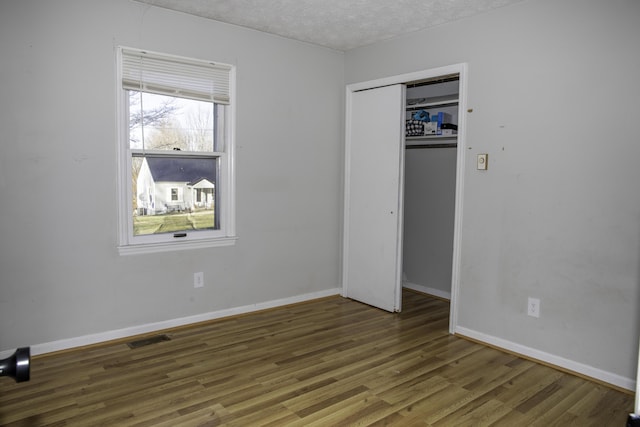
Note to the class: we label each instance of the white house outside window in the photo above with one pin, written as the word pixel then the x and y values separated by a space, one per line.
pixel 175 152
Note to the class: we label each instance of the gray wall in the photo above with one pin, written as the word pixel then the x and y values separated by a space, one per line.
pixel 554 91
pixel 429 208
pixel 60 273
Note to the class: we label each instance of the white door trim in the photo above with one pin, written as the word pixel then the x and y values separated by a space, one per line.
pixel 460 69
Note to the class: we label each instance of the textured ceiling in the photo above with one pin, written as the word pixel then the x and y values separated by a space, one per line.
pixel 338 24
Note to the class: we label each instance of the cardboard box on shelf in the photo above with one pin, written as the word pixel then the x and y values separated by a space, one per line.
pixel 431 128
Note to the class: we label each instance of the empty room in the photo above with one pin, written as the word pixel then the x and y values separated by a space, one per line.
pixel 319 212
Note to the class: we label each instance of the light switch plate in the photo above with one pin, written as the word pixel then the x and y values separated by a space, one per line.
pixel 483 162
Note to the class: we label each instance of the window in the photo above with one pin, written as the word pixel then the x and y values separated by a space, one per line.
pixel 175 152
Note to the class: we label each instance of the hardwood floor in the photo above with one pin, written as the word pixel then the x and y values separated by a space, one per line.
pixel 331 362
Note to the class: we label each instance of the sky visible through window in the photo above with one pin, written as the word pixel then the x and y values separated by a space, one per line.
pixel 171 123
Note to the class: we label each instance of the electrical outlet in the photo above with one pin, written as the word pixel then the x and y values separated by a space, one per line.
pixel 198 279
pixel 533 307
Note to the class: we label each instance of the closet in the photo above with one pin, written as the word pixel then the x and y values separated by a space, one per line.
pixel 404 163
pixel 431 117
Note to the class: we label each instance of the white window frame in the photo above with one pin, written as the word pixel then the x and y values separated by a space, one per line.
pixel 179 195
pixel 225 235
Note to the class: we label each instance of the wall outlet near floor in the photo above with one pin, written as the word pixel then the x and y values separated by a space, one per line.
pixel 533 307
pixel 198 279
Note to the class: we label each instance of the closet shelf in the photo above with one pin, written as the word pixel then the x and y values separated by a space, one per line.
pixel 410 139
pixel 421 146
pixel 433 102
pixel 431 142
pixel 441 101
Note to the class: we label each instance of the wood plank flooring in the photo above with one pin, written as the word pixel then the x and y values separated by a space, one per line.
pixel 330 362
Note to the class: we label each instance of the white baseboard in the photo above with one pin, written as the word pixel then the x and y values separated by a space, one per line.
pixel 65 344
pixel 427 290
pixel 85 340
pixel 551 359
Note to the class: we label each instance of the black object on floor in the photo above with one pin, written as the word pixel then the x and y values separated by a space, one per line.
pixel 147 341
pixel 18 365
pixel 633 420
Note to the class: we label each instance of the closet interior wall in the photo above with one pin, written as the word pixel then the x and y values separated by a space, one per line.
pixel 429 193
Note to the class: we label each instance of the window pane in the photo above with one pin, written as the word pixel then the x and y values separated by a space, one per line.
pixel 173 194
pixel 160 122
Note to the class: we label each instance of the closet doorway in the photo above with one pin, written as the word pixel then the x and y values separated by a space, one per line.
pixel 374 191
pixel 431 114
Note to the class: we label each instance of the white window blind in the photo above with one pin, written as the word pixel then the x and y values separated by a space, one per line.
pixel 175 76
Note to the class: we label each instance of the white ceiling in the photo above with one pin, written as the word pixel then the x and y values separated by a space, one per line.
pixel 337 24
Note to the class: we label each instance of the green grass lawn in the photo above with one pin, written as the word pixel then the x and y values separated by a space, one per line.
pixel 173 222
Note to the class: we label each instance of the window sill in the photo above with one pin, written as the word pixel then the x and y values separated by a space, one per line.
pixel 149 248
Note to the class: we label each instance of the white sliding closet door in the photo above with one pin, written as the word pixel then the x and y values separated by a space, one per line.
pixel 373 197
